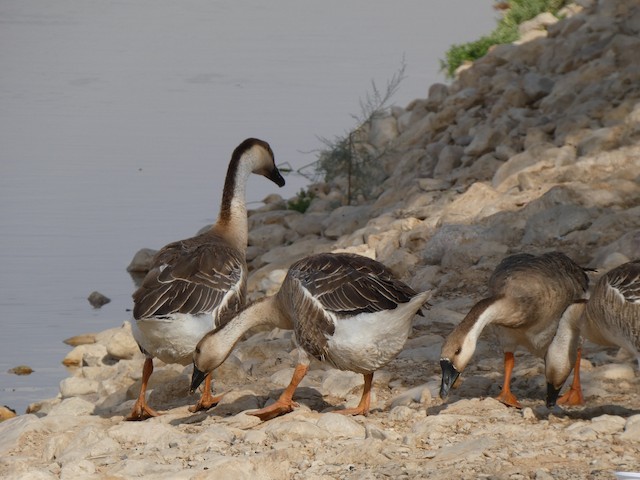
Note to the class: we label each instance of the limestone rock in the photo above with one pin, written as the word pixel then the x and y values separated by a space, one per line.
pixel 341 426
pixel 97 299
pixel 141 261
pixel 485 139
pixel 267 236
pixel 420 394
pixel 77 386
pixel 73 406
pixel 340 383
pixel 21 370
pixel 555 223
pixel 122 345
pixel 345 220
pixel 296 430
pixel 82 339
pixel 6 413
pixel 11 430
pixel 383 130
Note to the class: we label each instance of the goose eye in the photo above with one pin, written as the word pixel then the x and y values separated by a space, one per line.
pixel 197 350
pixel 458 351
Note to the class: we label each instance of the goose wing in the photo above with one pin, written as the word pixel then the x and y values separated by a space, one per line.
pixel 524 275
pixel 350 284
pixel 323 289
pixel 192 276
pixel 625 281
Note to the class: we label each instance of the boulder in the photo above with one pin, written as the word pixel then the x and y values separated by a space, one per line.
pixel 141 261
pixel 122 345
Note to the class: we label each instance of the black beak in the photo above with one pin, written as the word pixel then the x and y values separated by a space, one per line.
pixel 552 395
pixel 276 177
pixel 449 377
pixel 196 378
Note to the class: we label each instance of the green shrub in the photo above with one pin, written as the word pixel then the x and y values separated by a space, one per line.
pixel 506 31
pixel 350 156
pixel 301 202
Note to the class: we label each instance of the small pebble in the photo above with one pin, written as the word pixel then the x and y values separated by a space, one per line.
pixel 21 370
pixel 6 413
pixel 97 300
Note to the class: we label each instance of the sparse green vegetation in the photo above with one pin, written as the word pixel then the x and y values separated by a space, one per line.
pixel 301 202
pixel 517 11
pixel 350 156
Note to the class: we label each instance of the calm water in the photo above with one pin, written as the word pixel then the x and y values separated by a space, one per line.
pixel 117 120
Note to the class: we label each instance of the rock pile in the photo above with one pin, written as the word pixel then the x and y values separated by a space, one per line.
pixel 535 147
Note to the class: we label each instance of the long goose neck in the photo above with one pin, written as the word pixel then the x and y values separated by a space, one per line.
pixel 461 343
pixel 265 311
pixel 232 219
pixel 561 354
pixel 483 313
pixel 258 313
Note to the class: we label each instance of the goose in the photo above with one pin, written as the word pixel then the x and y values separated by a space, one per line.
pixel 528 295
pixel 610 317
pixel 345 309
pixel 193 283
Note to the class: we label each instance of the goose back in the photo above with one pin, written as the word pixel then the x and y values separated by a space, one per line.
pixel 322 290
pixel 613 311
pixel 537 289
pixel 198 275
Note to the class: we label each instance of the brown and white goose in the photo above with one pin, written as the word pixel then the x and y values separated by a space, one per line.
pixel 345 309
pixel 610 317
pixel 527 297
pixel 194 283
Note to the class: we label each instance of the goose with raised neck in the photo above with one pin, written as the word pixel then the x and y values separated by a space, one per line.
pixel 193 284
pixel 528 295
pixel 345 309
pixel 610 317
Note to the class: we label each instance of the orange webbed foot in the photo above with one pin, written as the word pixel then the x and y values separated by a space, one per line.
pixel 206 402
pixel 353 411
pixel 573 397
pixel 274 410
pixel 141 411
pixel 509 399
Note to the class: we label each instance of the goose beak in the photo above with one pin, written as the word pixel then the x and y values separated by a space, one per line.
pixel 552 395
pixel 196 378
pixel 449 377
pixel 276 177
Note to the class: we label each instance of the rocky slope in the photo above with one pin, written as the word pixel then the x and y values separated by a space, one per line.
pixel 535 147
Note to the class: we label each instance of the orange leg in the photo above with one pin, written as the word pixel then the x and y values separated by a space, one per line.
pixel 506 396
pixel 285 403
pixel 574 395
pixel 206 400
pixel 365 401
pixel 142 411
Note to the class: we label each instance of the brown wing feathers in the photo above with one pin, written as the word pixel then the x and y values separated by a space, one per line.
pixel 188 277
pixel 627 281
pixel 351 284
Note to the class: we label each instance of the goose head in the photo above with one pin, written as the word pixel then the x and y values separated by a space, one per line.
pixel 208 355
pixel 558 362
pixel 260 157
pixel 562 352
pixel 456 353
pixel 460 345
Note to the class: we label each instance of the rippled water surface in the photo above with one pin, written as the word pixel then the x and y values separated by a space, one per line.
pixel 117 120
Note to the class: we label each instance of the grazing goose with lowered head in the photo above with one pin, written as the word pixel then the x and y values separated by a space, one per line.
pixel 610 317
pixel 345 309
pixel 527 297
pixel 194 283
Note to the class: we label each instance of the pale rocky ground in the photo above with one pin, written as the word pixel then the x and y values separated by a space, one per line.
pixel 535 147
